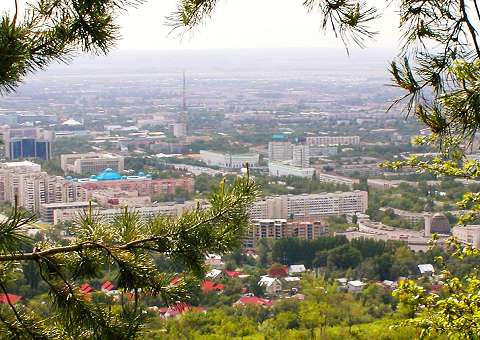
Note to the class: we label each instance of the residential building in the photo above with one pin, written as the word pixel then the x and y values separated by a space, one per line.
pixel 28 143
pixel 310 205
pixel 91 163
pixel 355 286
pixel 227 160
pixel 333 140
pixel 469 234
pixel 307 230
pixel 336 179
pixel 301 155
pixel 272 285
pixel 279 151
pixel 277 169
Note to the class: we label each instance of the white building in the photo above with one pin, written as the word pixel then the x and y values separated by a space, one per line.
pixel 301 156
pixel 21 166
pixel 226 160
pixel 91 163
pixel 277 169
pixel 272 285
pixel 310 205
pixel 279 151
pixel 355 286
pixel 180 130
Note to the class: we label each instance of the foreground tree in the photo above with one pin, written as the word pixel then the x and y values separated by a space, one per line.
pixel 127 246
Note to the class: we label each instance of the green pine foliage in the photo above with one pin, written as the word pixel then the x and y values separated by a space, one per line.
pixel 127 246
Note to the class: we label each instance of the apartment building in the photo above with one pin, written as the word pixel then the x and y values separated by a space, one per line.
pixel 336 179
pixel 277 169
pixel 227 160
pixel 333 140
pixel 279 151
pixel 307 230
pixel 310 205
pixel 91 163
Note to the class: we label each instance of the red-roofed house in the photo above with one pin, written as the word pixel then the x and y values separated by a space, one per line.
pixel 175 281
pixel 278 272
pixel 209 286
pixel 232 274
pixel 85 288
pixel 4 298
pixel 253 300
pixel 108 286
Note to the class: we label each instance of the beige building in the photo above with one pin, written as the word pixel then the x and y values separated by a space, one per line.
pixel 50 210
pixel 336 179
pixel 91 163
pixel 301 156
pixel 333 140
pixel 469 234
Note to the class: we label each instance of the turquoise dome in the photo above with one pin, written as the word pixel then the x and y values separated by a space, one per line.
pixel 108 175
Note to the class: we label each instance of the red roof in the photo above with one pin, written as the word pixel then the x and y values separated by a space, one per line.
pixel 278 272
pixel 85 288
pixel 209 286
pixel 107 285
pixel 175 281
pixel 233 273
pixel 12 297
pixel 253 300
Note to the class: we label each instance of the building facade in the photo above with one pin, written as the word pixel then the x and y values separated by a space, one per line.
pixel 231 161
pixel 277 169
pixel 279 151
pixel 333 140
pixel 28 143
pixel 91 163
pixel 301 156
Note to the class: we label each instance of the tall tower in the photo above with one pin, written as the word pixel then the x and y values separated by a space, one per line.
pixel 180 127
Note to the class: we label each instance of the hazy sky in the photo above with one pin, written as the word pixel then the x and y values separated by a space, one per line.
pixel 239 24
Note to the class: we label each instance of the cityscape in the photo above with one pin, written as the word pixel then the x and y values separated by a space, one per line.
pixel 239 193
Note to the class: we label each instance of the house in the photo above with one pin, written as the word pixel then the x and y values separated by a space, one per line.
pixel 232 273
pixel 278 272
pixel 296 269
pixel 355 286
pixel 174 311
pixel 108 287
pixel 214 261
pixel 253 300
pixel 342 282
pixel 210 286
pixel 9 298
pixel 86 289
pixel 214 274
pixel 426 269
pixel 272 285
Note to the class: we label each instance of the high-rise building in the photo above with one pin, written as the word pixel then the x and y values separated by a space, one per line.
pixel 28 143
pixel 301 156
pixel 279 150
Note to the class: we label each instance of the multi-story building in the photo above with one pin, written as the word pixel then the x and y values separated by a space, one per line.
pixel 279 151
pixel 226 160
pixel 28 143
pixel 310 205
pixel 277 169
pixel 91 163
pixel 307 230
pixel 469 234
pixel 301 156
pixel 48 210
pixel 336 179
pixel 333 140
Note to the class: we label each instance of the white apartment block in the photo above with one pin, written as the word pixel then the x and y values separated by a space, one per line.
pixel 310 205
pixel 301 156
pixel 333 140
pixel 336 179
pixel 277 169
pixel 91 163
pixel 279 151
pixel 469 234
pixel 226 160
